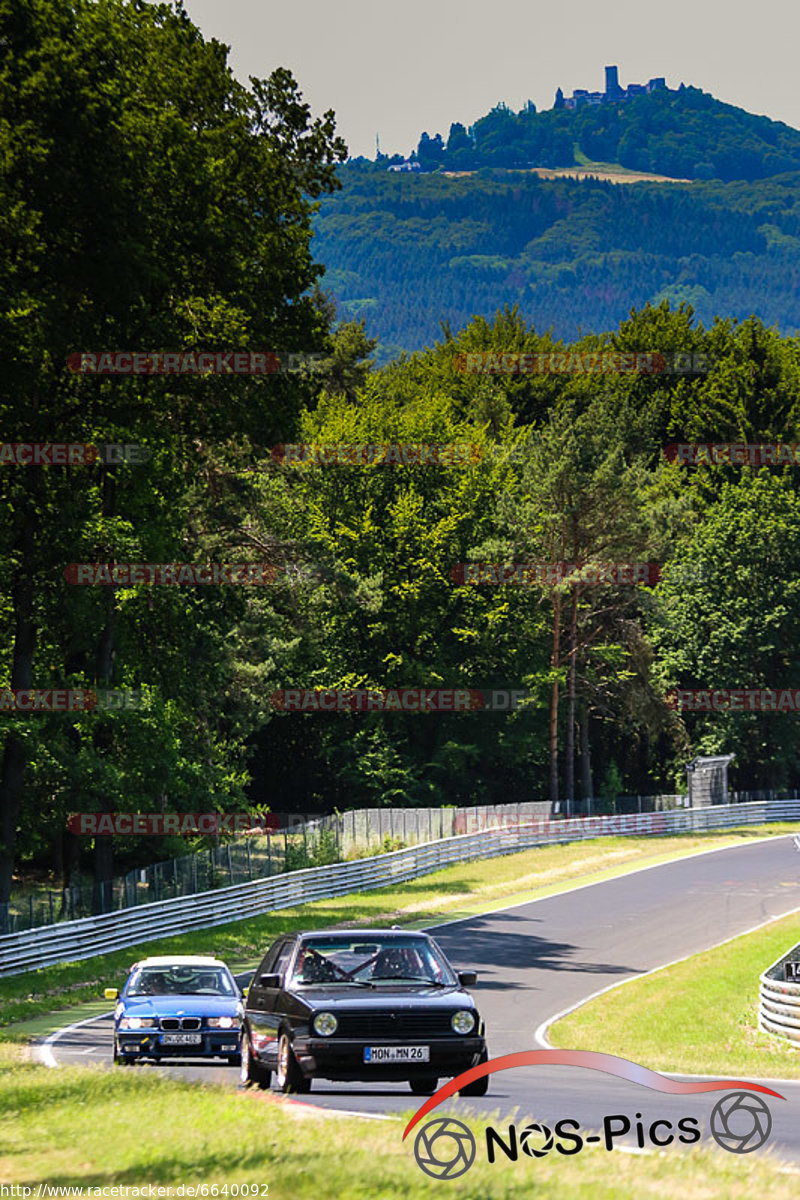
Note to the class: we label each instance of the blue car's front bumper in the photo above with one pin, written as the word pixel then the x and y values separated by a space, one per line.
pixel 150 1043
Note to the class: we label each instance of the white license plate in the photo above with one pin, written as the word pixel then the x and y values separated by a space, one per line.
pixel 229 1049
pixel 181 1039
pixel 380 1054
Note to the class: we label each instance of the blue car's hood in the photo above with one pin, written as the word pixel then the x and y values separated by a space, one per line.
pixel 180 1006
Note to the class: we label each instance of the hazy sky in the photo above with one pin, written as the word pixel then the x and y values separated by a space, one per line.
pixel 398 69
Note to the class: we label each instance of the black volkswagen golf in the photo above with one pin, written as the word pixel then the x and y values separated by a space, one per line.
pixel 360 1005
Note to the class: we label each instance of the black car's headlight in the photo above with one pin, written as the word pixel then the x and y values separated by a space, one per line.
pixel 463 1021
pixel 223 1022
pixel 138 1023
pixel 325 1024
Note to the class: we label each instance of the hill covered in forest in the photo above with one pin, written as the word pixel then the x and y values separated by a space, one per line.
pixel 684 133
pixel 408 252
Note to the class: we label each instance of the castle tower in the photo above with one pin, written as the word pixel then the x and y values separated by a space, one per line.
pixel 612 82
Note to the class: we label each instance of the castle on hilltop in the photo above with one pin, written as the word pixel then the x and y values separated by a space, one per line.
pixel 613 91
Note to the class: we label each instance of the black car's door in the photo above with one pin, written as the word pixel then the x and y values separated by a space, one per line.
pixel 264 1012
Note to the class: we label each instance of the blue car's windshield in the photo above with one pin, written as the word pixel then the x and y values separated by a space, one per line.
pixel 181 981
pixel 330 959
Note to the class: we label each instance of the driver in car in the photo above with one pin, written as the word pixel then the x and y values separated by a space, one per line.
pixel 396 963
pixel 316 969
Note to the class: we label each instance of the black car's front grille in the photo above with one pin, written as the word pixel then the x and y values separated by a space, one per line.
pixel 180 1023
pixel 391 1025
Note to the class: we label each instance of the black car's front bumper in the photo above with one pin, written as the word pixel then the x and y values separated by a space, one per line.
pixel 343 1058
pixel 219 1043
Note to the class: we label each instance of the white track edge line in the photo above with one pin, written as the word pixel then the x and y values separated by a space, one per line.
pixel 43 1050
pixel 540 1034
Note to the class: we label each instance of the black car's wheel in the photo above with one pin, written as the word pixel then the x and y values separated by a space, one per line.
pixel 288 1076
pixel 252 1071
pixel 425 1086
pixel 478 1087
pixel 235 1060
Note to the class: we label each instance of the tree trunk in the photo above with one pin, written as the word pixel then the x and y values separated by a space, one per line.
pixel 12 771
pixel 569 769
pixel 555 662
pixel 103 858
pixel 586 756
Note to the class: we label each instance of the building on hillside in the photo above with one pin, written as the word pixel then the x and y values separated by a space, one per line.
pixel 405 166
pixel 613 92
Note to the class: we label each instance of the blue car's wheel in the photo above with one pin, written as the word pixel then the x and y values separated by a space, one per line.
pixel 125 1059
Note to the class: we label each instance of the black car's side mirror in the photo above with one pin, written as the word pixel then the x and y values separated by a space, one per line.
pixel 467 978
pixel 270 981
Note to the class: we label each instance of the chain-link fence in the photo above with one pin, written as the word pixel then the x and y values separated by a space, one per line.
pixel 309 843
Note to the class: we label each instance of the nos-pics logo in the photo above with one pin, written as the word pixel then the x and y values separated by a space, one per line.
pixel 445 1148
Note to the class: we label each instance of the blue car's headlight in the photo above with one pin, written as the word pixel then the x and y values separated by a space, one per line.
pixel 138 1023
pixel 223 1023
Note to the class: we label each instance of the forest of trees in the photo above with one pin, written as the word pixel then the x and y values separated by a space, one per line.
pixel 121 231
pixel 407 253
pixel 684 133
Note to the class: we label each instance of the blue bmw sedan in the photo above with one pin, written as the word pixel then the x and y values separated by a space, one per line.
pixel 183 1007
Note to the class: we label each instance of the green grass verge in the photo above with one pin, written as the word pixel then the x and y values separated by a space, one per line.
pixel 461 890
pixel 697 1017
pixel 80 1127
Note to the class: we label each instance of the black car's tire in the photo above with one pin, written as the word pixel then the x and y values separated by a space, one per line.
pixel 425 1086
pixel 252 1071
pixel 288 1075
pixel 235 1060
pixel 478 1087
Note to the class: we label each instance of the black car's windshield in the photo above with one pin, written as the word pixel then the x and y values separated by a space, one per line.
pixel 327 960
pixel 181 981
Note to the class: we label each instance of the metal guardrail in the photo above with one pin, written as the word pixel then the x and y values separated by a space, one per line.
pixel 71 941
pixel 779 1000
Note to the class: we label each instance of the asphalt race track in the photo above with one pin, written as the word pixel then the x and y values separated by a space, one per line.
pixel 539 958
